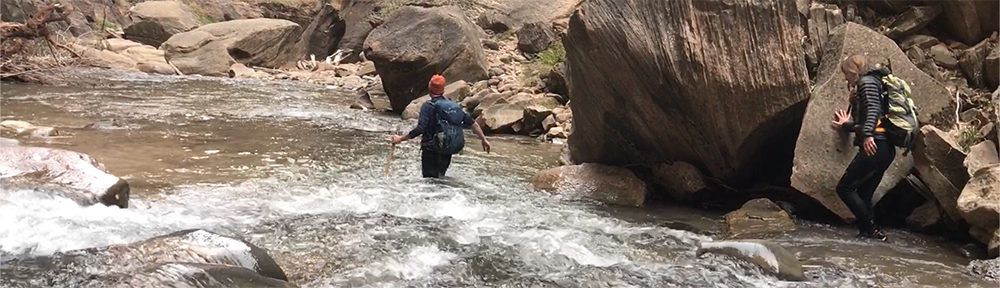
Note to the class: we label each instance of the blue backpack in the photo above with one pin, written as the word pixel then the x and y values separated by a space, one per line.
pixel 449 138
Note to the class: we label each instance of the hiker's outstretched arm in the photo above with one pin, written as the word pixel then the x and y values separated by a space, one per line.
pixel 479 133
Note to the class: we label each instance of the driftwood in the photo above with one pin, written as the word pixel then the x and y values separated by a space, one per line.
pixel 35 27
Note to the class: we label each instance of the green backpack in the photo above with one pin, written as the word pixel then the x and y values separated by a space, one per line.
pixel 900 120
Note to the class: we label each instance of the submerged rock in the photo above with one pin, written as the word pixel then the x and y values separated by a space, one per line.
pixel 71 174
pixel 768 256
pixel 25 128
pixel 201 275
pixel 758 217
pixel 188 246
pixel 612 185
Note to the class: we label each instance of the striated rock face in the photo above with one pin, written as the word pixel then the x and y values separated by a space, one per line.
pixel 669 86
pixel 415 43
pixel 821 153
pixel 211 49
pixel 971 21
pixel 322 33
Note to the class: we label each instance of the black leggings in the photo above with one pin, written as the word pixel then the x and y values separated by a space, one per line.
pixel 434 164
pixel 861 179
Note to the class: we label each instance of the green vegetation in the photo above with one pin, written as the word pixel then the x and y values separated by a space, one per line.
pixel 544 62
pixel 968 136
pixel 202 17
pixel 101 24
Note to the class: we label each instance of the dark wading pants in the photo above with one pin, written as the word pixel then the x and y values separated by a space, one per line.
pixel 861 179
pixel 434 164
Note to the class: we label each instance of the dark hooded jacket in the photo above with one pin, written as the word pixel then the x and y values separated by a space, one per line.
pixel 866 108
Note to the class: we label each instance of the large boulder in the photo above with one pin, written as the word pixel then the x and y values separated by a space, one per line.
pixel 971 21
pixel 416 43
pixel 153 22
pixel 103 58
pixel 455 91
pixel 320 37
pixel 757 217
pixel 535 37
pixel 822 153
pixel 612 185
pixel 768 256
pixel 528 11
pixel 939 162
pixel 494 21
pixel 70 174
pixel 676 89
pixel 359 17
pixel 979 203
pixel 502 118
pixel 211 49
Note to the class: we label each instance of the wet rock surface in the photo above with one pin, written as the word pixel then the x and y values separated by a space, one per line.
pixel 47 170
pixel 757 217
pixel 612 185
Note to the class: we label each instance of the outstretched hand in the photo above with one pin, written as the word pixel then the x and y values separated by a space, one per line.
pixel 486 146
pixel 840 117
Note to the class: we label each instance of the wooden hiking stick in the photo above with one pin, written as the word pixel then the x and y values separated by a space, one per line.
pixel 388 161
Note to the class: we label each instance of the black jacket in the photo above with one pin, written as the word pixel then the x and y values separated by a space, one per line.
pixel 866 107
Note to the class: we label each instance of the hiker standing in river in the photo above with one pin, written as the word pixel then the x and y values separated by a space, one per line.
pixel 440 122
pixel 882 115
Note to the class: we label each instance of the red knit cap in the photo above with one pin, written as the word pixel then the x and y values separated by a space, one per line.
pixel 436 86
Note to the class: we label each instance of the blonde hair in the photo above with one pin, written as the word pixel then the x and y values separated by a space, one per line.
pixel 855 64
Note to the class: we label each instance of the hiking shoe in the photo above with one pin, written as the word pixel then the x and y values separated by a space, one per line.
pixel 875 234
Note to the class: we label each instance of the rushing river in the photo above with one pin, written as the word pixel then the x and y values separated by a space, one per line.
pixel 290 168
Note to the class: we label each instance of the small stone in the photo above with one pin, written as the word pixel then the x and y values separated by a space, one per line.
pixel 491 44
